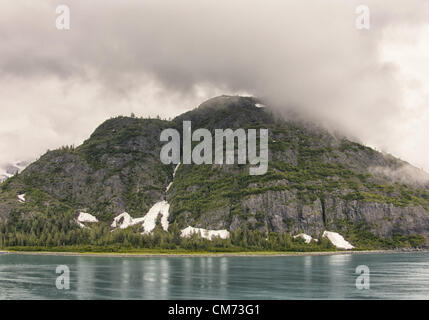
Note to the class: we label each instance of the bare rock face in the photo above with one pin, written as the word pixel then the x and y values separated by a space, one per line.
pixel 316 181
pixel 384 219
pixel 282 212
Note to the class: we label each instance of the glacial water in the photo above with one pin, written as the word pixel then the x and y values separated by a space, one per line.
pixel 392 276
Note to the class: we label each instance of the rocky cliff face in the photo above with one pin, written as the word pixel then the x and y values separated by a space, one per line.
pixel 316 181
pixel 285 212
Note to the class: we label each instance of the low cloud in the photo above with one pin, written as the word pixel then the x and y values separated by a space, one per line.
pixel 406 174
pixel 165 57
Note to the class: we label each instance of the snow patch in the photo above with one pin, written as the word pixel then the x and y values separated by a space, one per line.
pixel 337 240
pixel 306 237
pixel 204 233
pixel 21 198
pixel 174 174
pixel 80 224
pixel 86 217
pixel 124 220
pixel 175 169
pixel 260 105
pixel 149 220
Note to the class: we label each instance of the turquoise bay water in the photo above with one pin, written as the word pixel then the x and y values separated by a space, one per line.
pixel 392 276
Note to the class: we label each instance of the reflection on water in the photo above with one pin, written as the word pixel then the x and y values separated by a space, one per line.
pixel 399 276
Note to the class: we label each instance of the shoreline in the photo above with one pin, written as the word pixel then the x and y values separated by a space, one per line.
pixel 206 255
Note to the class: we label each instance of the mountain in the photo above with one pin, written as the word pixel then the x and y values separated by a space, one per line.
pixel 316 182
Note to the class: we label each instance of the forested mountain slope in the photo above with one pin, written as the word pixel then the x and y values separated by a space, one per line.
pixel 316 181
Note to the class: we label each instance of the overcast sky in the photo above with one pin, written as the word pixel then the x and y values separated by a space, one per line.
pixel 165 57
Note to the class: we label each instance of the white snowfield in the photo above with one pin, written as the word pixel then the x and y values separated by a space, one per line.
pixel 204 233
pixel 169 186
pixel 306 237
pixel 21 198
pixel 149 220
pixel 337 240
pixel 80 224
pixel 86 217
pixel 259 105
pixel 124 220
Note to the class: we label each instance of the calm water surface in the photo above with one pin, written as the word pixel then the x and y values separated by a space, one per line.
pixel 392 276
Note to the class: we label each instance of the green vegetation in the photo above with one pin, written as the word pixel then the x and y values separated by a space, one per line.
pixel 59 232
pixel 119 136
pixel 360 235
